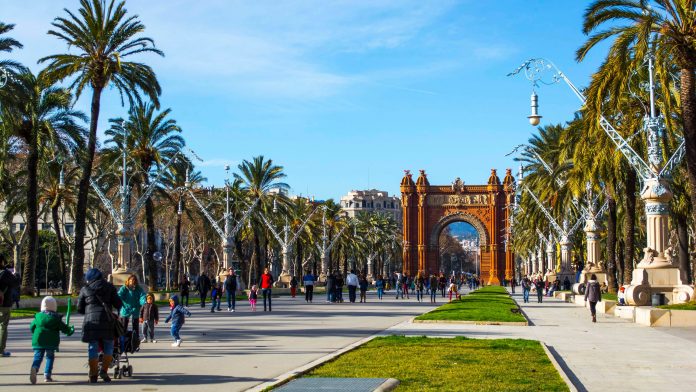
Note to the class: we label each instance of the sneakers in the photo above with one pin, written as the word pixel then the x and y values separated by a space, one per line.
pixel 176 343
pixel 153 341
pixel 5 354
pixel 47 378
pixel 144 340
pixel 232 310
pixel 32 375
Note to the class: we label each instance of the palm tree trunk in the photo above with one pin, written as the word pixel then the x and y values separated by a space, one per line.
pixel 683 233
pixel 177 252
pixel 29 274
pixel 255 260
pixel 151 248
pixel 611 245
pixel 59 240
pixel 77 272
pixel 620 259
pixel 629 223
pixel 687 96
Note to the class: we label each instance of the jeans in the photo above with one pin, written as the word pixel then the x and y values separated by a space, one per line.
pixel 266 295
pixel 363 296
pixel 38 357
pixel 203 295
pixel 419 295
pixel 593 307
pixel 175 331
pixel 398 291
pixel 149 329
pixel 433 295
pixel 4 320
pixel 380 292
pixel 309 292
pixel 231 300
pixel 136 331
pixel 442 290
pixel 525 294
pixel 330 295
pixel 93 348
pixel 212 308
pixel 351 293
pixel 540 295
pixel 184 299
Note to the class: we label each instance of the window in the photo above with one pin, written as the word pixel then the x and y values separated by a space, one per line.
pixel 69 229
pixel 20 226
pixel 364 204
pixel 45 226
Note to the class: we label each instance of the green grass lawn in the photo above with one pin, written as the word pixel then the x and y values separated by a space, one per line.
pixel 686 306
pixel 609 297
pixel 491 303
pixel 456 364
pixel 30 312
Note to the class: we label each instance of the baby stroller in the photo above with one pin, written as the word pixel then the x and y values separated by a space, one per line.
pixel 129 344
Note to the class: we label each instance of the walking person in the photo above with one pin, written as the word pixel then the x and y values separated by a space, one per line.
pixel 96 301
pixel 45 330
pixel 398 286
pixel 420 285
pixel 293 286
pixel 149 317
pixel 177 315
pixel 363 283
pixel 8 282
pixel 352 282
pixel 433 288
pixel 594 295
pixel 330 287
pixel 266 285
pixel 308 281
pixel 253 296
pixel 184 288
pixel 526 286
pixel 442 283
pixel 230 288
pixel 539 284
pixel 379 285
pixel 339 287
pixel 215 297
pixel 133 297
pixel 203 286
pixel 513 283
pixel 404 285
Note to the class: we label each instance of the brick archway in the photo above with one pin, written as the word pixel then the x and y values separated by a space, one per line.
pixel 429 208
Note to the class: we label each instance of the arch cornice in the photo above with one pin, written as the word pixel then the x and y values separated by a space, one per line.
pixel 459 216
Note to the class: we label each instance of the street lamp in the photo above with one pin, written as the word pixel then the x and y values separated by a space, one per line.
pixel 534 118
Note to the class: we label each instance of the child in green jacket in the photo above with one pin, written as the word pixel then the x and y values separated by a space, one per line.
pixel 46 328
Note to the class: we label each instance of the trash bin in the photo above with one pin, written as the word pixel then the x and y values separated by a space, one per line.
pixel 658 299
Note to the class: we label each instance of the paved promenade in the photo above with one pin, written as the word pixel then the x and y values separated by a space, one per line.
pixel 611 355
pixel 221 351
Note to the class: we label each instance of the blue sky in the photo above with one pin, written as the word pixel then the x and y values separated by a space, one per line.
pixel 345 94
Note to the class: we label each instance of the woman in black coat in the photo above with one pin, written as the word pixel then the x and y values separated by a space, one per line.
pixel 97 325
pixel 594 295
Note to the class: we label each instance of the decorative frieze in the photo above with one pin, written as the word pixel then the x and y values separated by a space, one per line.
pixel 457 200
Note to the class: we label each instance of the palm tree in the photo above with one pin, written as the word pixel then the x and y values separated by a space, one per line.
pixel 636 26
pixel 40 115
pixel 151 139
pixel 104 36
pixel 259 176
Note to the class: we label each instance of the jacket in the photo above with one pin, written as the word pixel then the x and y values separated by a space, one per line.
pixel 231 283
pixel 149 312
pixel 184 286
pixel 45 329
pixel 178 314
pixel 132 300
pixel 379 283
pixel 330 282
pixel 8 282
pixel 203 284
pixel 266 281
pixel 308 280
pixel 352 279
pixel 592 292
pixel 363 284
pixel 97 324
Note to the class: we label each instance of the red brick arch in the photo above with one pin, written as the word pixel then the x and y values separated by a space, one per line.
pixel 429 208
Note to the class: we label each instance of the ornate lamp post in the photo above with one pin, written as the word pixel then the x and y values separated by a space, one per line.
pixel 655 194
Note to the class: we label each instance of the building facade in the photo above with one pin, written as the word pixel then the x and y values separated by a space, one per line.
pixel 372 201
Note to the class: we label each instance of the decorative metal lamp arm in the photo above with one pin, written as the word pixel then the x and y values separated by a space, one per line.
pixel 212 221
pixel 244 218
pixel 107 203
pixel 151 188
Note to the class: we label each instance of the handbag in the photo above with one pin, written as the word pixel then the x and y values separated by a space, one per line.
pixel 119 329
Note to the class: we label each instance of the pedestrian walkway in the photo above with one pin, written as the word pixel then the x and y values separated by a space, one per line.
pixel 610 355
pixel 220 351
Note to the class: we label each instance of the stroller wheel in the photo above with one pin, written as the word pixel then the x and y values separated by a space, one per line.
pixel 117 373
pixel 130 371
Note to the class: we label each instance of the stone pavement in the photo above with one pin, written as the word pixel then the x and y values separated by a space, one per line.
pixel 611 355
pixel 221 351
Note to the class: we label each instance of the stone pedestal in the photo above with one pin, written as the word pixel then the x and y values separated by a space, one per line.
pixel 656 195
pixel 119 276
pixel 649 281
